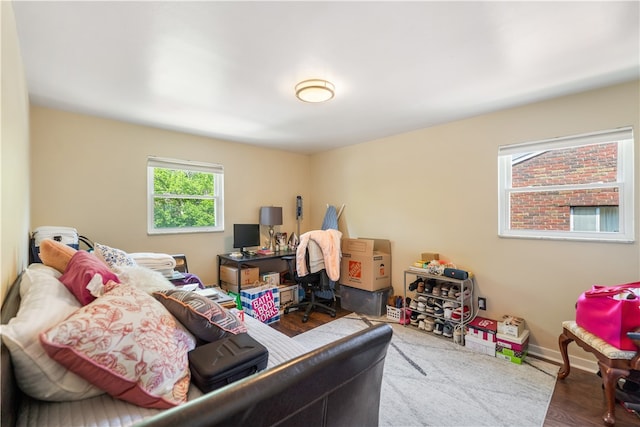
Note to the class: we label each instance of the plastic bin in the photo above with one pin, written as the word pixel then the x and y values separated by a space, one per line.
pixel 373 303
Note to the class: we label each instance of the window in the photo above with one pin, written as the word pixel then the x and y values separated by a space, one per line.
pixel 577 187
pixel 184 196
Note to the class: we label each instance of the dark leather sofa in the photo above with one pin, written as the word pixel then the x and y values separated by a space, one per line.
pixel 335 385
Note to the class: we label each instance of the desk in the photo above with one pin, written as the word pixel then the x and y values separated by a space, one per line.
pixel 239 261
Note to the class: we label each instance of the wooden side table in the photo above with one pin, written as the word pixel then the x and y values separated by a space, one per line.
pixel 613 362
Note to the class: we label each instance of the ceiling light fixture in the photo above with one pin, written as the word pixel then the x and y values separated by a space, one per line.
pixel 315 90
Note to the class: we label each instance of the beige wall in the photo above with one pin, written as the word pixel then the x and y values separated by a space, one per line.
pixel 90 173
pixel 436 190
pixel 14 155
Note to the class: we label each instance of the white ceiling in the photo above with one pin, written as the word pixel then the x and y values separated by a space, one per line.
pixel 228 69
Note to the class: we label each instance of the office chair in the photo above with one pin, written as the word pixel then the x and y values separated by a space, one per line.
pixel 181 263
pixel 312 282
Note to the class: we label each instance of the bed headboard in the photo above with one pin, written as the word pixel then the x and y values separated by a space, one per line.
pixel 10 394
pixel 335 385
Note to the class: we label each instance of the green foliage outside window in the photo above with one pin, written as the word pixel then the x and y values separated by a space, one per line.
pixel 183 198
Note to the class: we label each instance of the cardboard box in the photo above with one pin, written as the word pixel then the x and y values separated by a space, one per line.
pixel 483 328
pixel 429 256
pixel 262 303
pixel 366 264
pixel 270 278
pixel 288 295
pixel 230 287
pixel 480 346
pixel 511 325
pixel 513 359
pixel 248 274
pixel 373 303
pixel 509 342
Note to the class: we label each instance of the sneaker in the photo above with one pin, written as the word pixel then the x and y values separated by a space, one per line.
pixel 464 294
pixel 414 285
pixel 457 313
pixel 457 336
pixel 420 288
pixel 413 305
pixel 429 324
pixel 421 324
pixel 447 330
pixel 438 327
pixel 421 306
pixel 428 287
pixel 436 290
pixel 422 298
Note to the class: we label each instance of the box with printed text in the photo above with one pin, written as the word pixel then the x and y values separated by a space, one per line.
pixel 262 303
pixel 366 264
pixel 483 328
pixel 511 325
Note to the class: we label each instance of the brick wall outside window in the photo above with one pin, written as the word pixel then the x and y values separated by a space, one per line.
pixel 550 210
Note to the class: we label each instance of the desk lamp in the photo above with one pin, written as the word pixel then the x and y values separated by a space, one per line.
pixel 271 215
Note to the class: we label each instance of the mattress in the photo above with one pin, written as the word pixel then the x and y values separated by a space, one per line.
pixel 106 411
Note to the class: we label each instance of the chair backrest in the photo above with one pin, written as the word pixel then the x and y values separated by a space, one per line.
pixel 181 263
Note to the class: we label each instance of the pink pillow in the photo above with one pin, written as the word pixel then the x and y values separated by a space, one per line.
pixel 82 267
pixel 129 345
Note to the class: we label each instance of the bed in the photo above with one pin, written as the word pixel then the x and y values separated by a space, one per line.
pixel 338 384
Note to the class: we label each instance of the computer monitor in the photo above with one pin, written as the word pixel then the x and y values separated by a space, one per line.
pixel 246 236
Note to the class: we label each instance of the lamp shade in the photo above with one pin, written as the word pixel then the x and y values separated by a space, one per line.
pixel 271 215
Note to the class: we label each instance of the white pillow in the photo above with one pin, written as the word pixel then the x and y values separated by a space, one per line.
pixel 25 282
pixel 45 303
pixel 113 257
pixel 143 278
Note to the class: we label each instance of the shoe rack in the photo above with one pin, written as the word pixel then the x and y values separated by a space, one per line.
pixel 437 303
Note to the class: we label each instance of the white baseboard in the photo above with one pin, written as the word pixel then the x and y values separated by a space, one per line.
pixel 585 364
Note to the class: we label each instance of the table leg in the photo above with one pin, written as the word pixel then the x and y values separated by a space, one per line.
pixel 610 377
pixel 563 341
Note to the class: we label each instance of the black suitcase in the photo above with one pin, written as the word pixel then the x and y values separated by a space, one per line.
pixel 222 362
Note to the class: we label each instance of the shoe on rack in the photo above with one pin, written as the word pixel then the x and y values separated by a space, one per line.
pixel 413 305
pixel 428 287
pixel 457 313
pixel 438 327
pixel 420 288
pixel 421 306
pixel 436 291
pixel 414 285
pixel 464 294
pixel 447 330
pixel 457 335
pixel 429 324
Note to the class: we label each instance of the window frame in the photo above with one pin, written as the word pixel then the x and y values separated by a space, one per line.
pixel 624 183
pixel 186 165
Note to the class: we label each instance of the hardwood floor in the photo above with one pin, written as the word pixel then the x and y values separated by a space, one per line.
pixel 577 400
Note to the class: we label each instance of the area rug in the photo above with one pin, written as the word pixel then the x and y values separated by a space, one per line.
pixel 430 381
